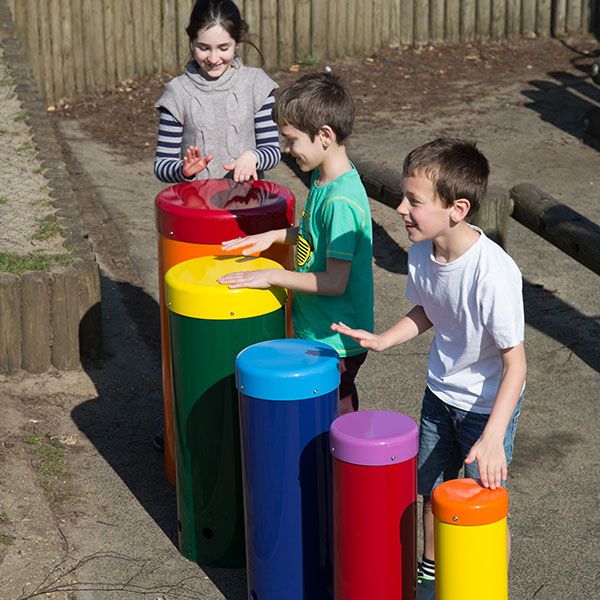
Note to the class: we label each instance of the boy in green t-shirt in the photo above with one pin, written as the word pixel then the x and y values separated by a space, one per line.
pixel 333 275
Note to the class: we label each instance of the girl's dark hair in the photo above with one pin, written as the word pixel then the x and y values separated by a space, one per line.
pixel 225 13
pixel 217 12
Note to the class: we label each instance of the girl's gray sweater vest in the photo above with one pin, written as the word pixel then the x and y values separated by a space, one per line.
pixel 217 114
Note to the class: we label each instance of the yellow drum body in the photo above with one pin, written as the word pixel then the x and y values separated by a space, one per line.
pixel 471 553
pixel 471 561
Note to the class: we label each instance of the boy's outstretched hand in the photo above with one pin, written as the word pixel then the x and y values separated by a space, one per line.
pixel 366 339
pixel 491 461
pixel 248 279
pixel 194 162
pixel 251 244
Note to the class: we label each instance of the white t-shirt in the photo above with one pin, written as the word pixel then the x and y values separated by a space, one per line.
pixel 476 306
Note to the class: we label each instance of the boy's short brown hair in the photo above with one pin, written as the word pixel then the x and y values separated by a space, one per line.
pixel 315 100
pixel 456 168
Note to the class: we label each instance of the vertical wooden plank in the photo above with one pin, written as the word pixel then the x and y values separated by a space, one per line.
pixel 386 34
pixel 437 20
pixel 467 20
pixel 543 17
pixel 109 41
pixel 395 23
pixel 88 49
pixel 573 15
pixel 184 9
pixel 358 43
pixel 452 20
pixel 156 36
pixel 98 46
pixel 592 17
pixel 68 58
pixel 333 7
pixel 10 317
pixel 318 19
pixel 483 19
pixel 528 11
pixel 33 43
pixel 90 308
pixel 19 11
pixel 252 17
pixel 340 31
pixel 407 19
pixel 368 26
pixel 46 50
pixel 286 50
pixel 377 23
pixel 241 48
pixel 585 14
pixel 35 319
pixel 56 45
pixel 559 17
pixel 119 40
pixel 148 45
pixel 421 21
pixel 137 21
pixel 64 303
pixel 129 38
pixel 78 50
pixel 302 29
pixel 513 18
pixel 498 19
pixel 268 28
pixel 169 36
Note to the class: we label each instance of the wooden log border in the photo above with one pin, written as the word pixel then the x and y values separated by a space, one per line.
pixel 48 320
pixel 556 222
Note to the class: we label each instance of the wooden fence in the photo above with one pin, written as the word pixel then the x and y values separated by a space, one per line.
pixel 76 47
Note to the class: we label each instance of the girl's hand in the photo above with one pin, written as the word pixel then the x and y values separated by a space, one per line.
pixel 248 279
pixel 244 167
pixel 193 162
pixel 251 244
pixel 366 339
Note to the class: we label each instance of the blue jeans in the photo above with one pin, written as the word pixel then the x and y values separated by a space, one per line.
pixel 447 435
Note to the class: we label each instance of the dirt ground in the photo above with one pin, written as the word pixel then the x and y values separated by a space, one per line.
pixel 86 513
pixel 404 79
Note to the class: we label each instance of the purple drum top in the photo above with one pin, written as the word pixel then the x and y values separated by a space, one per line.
pixel 374 437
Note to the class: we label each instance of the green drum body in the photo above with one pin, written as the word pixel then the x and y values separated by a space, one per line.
pixel 209 325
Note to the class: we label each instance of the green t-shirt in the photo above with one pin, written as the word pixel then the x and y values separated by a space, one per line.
pixel 335 223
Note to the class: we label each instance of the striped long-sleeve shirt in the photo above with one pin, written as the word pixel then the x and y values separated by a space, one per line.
pixel 168 162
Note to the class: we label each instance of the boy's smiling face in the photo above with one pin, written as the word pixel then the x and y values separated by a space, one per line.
pixel 423 212
pixel 308 154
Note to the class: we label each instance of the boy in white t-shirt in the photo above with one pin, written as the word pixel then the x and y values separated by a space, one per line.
pixel 470 291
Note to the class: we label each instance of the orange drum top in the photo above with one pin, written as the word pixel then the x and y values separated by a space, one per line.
pixel 211 211
pixel 467 502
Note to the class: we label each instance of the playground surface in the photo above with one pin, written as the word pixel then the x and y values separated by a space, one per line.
pixel 86 511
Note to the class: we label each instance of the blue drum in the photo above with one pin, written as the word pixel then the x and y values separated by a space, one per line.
pixel 288 400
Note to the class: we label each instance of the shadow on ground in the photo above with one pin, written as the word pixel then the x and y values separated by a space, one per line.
pixel 127 412
pixel 565 101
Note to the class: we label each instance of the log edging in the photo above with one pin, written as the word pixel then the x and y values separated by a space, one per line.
pixel 48 319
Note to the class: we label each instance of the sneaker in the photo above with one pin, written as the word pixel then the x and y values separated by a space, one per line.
pixel 425 586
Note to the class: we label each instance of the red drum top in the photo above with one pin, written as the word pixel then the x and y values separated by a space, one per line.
pixel 212 211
